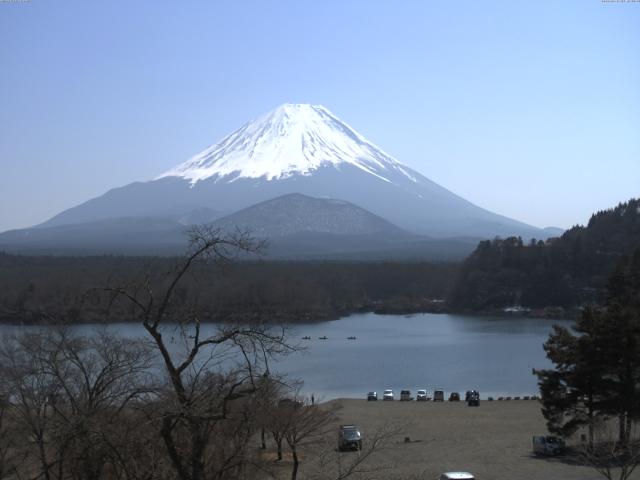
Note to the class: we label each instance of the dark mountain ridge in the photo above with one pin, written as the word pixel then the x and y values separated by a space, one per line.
pixel 295 226
pixel 295 213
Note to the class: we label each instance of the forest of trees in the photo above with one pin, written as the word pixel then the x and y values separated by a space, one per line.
pixel 58 289
pixel 567 272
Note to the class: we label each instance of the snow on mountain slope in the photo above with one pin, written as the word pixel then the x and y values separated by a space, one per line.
pixel 303 149
pixel 293 139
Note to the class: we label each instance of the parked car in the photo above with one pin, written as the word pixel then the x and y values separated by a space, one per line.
pixel 387 395
pixel 349 438
pixel 547 445
pixel 454 397
pixel 456 476
pixel 421 396
pixel 405 395
pixel 289 403
pixel 438 396
pixel 372 396
pixel 473 398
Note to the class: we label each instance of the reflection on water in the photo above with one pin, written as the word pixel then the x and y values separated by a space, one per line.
pixel 452 352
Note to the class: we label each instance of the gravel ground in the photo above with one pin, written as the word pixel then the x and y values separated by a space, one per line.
pixel 492 441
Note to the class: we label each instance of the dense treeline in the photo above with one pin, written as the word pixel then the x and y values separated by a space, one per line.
pixel 568 271
pixel 59 289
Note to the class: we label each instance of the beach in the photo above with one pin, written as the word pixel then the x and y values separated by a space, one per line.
pixel 492 441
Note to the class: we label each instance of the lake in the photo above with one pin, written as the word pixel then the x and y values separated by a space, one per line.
pixel 494 355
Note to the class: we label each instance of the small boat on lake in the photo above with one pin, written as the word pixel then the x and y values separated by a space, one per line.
pixel 306 337
pixel 351 338
pixel 323 337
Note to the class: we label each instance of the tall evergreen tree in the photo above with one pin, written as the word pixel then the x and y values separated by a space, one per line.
pixel 597 362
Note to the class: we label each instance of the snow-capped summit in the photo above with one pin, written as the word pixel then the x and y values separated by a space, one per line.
pixel 293 139
pixel 299 149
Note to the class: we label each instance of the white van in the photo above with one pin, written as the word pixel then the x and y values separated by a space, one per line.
pixel 456 476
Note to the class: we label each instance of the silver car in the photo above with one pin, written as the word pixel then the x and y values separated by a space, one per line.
pixel 456 476
pixel 387 395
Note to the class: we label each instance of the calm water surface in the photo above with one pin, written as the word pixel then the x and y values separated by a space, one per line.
pixel 452 352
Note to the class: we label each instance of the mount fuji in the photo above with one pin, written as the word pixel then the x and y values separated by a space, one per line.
pixel 296 148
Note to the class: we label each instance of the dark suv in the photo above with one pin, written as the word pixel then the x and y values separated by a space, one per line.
pixel 349 438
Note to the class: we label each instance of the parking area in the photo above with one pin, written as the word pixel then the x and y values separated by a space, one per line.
pixel 493 441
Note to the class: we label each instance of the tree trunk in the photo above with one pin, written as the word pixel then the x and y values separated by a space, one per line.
pixel 263 444
pixel 590 414
pixel 166 433
pixel 198 445
pixel 622 423
pixel 43 459
pixel 296 463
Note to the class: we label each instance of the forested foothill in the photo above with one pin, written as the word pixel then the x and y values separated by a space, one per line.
pixel 566 272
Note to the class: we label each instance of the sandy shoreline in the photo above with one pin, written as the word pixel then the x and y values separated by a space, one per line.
pixel 492 441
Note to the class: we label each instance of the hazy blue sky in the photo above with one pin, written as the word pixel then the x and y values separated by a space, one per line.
pixel 528 108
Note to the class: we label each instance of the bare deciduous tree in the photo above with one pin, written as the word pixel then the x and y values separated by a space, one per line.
pixel 188 402
pixel 303 423
pixel 30 406
pixel 213 373
pixel 608 455
pixel 331 464
pixel 66 393
pixel 7 444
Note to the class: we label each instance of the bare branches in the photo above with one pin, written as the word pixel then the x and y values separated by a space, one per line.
pixel 207 243
pixel 66 392
pixel 612 458
pixel 305 422
pixel 8 455
pixel 201 400
pixel 333 465
pixel 93 411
